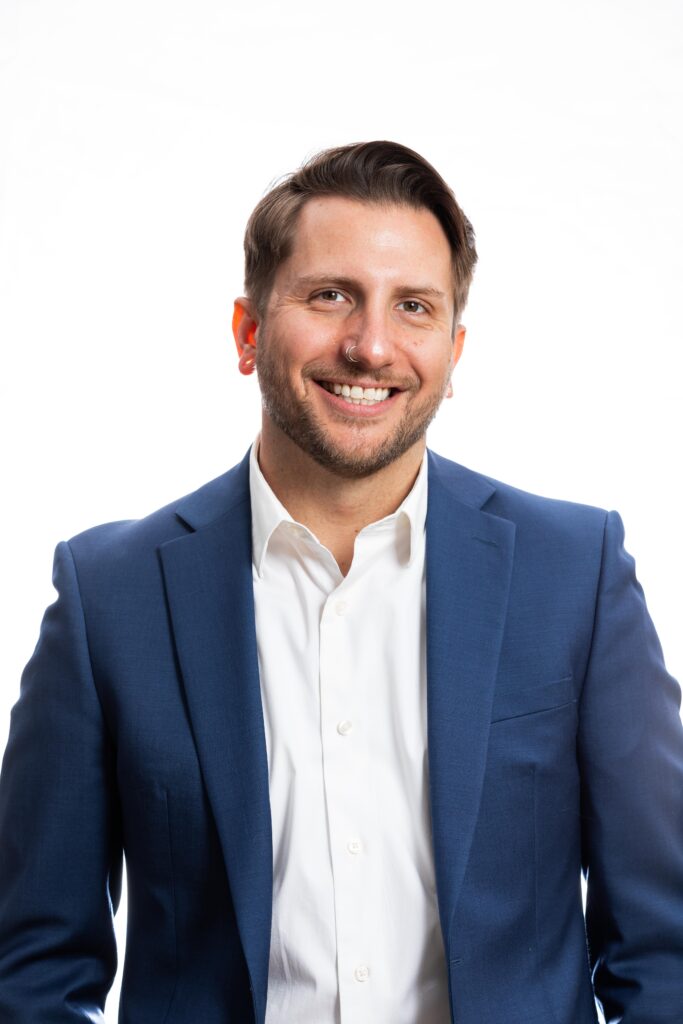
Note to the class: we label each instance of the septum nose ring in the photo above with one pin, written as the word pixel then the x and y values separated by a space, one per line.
pixel 348 352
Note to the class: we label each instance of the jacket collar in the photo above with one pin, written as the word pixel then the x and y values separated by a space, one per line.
pixel 216 498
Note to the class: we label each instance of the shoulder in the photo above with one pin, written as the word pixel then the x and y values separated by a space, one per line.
pixel 534 515
pixel 132 541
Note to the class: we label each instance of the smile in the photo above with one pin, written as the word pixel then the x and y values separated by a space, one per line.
pixel 354 394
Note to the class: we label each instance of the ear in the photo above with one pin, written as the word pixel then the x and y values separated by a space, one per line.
pixel 244 329
pixel 458 343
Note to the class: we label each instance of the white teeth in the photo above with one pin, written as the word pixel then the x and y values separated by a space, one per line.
pixel 356 395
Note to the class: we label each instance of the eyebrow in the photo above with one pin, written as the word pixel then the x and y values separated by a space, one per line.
pixel 311 280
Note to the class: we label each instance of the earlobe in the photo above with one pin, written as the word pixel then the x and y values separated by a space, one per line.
pixel 247 360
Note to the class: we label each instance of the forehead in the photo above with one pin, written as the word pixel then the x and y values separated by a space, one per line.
pixel 339 234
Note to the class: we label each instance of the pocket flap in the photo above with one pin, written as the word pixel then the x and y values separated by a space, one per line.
pixel 543 697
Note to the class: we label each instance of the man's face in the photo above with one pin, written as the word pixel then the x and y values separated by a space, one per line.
pixel 378 279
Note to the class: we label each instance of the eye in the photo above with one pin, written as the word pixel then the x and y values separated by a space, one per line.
pixel 413 302
pixel 325 295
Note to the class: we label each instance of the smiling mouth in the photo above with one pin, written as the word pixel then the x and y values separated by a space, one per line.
pixel 354 394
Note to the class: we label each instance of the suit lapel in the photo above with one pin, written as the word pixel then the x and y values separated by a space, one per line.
pixel 469 563
pixel 208 580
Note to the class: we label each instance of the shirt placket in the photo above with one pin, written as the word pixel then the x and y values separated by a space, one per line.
pixel 348 799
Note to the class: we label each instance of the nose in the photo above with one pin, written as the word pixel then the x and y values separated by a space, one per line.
pixel 371 339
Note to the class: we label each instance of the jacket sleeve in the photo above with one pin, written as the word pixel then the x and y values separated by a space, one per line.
pixel 631 760
pixel 60 849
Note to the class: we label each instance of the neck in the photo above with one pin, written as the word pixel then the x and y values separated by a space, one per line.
pixel 335 508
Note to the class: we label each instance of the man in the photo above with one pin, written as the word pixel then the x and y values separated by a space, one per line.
pixel 356 715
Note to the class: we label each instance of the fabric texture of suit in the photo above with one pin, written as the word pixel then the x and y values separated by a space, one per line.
pixel 554 742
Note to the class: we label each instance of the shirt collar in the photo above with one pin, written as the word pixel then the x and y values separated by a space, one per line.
pixel 267 512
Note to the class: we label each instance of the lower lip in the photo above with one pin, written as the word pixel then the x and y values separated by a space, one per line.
pixel 355 409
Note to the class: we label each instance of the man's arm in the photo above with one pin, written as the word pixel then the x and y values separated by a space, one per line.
pixel 60 847
pixel 631 757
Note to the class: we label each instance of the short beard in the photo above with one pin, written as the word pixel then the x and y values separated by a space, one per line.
pixel 295 420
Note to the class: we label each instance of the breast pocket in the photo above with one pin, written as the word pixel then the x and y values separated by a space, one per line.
pixel 529 700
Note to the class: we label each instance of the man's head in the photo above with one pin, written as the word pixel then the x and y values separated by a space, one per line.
pixel 335 255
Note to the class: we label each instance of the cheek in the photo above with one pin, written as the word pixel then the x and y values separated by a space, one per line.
pixel 303 341
pixel 434 369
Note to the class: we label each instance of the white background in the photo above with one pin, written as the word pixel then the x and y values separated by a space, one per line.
pixel 135 138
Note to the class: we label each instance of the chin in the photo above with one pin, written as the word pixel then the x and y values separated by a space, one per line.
pixel 355 461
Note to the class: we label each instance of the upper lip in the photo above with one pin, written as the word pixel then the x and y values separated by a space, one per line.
pixel 358 383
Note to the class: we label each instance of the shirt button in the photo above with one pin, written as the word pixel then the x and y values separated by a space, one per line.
pixel 345 727
pixel 361 973
pixel 341 607
pixel 354 846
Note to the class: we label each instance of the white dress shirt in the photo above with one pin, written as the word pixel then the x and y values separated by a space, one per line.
pixel 355 928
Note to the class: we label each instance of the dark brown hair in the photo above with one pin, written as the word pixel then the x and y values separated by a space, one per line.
pixel 373 172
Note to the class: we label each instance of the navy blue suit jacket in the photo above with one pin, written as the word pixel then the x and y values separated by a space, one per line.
pixel 554 743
